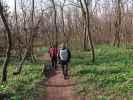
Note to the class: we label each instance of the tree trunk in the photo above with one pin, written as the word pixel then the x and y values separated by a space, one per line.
pixel 118 24
pixel 19 50
pixel 88 30
pixel 20 65
pixel 8 53
pixel 85 38
pixel 85 26
pixel 55 22
pixel 63 23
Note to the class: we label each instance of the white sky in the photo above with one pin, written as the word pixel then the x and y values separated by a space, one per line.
pixel 10 3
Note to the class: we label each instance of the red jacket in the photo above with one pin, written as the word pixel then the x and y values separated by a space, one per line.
pixel 53 52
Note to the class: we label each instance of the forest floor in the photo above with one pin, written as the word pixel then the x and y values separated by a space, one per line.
pixel 58 88
pixel 109 78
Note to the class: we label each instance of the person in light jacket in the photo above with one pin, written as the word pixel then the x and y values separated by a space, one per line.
pixel 64 57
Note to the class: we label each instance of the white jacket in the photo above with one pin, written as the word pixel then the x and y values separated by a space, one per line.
pixel 63 54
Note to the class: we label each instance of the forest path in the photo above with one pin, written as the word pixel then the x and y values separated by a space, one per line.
pixel 58 88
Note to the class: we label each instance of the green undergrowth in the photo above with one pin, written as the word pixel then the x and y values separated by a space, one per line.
pixel 26 86
pixel 109 78
pixel 42 50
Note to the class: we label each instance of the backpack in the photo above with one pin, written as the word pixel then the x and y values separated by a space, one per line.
pixel 65 55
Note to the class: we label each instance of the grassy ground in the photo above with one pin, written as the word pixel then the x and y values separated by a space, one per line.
pixel 109 78
pixel 27 85
pixel 24 86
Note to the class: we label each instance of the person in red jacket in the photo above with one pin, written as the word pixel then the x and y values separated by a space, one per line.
pixel 53 51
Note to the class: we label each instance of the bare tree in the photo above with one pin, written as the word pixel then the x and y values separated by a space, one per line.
pixel 55 21
pixel 86 14
pixel 17 35
pixel 84 24
pixel 30 42
pixel 118 23
pixel 8 53
pixel 62 18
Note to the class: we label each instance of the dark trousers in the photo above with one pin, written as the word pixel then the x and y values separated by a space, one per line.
pixel 64 65
pixel 54 63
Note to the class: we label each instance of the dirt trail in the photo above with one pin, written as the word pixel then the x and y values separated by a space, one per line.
pixel 59 89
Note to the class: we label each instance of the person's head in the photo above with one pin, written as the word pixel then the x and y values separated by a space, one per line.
pixel 50 46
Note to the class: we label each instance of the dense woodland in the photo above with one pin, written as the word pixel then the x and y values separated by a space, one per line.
pixel 82 25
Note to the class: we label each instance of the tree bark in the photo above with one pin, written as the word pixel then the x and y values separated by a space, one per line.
pixel 62 21
pixel 55 22
pixel 89 33
pixel 86 14
pixel 8 53
pixel 84 24
pixel 19 50
pixel 117 24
